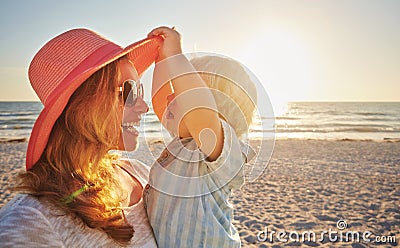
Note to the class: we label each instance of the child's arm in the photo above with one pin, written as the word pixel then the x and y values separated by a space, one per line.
pixel 195 101
pixel 159 96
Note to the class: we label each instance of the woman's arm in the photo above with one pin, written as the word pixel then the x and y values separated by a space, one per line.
pixel 193 98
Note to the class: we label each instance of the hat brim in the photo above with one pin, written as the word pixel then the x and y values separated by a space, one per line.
pixel 142 54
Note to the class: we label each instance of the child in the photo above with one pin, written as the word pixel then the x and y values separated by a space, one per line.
pixel 190 184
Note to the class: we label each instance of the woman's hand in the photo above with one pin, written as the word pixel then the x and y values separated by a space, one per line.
pixel 172 42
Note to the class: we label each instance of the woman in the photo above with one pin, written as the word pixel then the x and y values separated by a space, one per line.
pixel 77 193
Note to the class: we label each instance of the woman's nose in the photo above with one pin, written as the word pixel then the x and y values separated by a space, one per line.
pixel 141 106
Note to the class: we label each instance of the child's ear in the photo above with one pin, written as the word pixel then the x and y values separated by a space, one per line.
pixel 170 98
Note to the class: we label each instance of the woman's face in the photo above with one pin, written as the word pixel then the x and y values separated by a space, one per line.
pixel 131 115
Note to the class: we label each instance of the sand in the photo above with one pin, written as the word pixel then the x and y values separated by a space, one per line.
pixel 309 186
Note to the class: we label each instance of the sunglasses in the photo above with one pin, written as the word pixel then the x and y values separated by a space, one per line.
pixel 130 99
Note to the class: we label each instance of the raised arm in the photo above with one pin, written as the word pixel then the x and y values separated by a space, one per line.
pixel 195 102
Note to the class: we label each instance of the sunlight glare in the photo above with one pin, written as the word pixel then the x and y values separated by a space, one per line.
pixel 283 62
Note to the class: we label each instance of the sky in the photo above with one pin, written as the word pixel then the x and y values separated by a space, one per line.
pixel 320 50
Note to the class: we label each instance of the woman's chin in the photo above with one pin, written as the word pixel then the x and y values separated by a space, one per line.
pixel 130 141
pixel 131 144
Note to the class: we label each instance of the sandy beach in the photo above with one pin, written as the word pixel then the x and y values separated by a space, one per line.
pixel 337 190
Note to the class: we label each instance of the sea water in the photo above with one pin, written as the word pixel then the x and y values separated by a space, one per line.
pixel 340 120
pixel 17 119
pixel 301 120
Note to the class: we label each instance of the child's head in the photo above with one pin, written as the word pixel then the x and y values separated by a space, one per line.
pixel 234 92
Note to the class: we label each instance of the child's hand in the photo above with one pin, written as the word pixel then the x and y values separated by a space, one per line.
pixel 172 42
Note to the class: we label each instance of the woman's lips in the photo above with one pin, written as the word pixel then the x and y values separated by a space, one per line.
pixel 130 127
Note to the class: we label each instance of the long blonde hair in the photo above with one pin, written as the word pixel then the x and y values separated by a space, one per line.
pixel 76 158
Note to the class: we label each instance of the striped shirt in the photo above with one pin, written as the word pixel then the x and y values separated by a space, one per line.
pixel 186 198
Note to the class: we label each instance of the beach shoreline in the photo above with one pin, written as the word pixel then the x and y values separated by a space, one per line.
pixel 308 185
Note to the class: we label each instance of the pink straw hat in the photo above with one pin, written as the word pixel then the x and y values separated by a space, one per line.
pixel 63 64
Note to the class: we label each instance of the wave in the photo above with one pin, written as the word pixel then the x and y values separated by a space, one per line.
pixel 332 125
pixel 336 130
pixel 380 119
pixel 16 114
pixel 368 130
pixel 285 118
pixel 151 131
pixel 13 139
pixel 369 114
pixel 386 140
pixel 17 120
pixel 16 126
pixel 152 122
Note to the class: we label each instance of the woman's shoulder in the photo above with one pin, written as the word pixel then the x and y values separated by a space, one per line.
pixel 136 168
pixel 26 207
pixel 25 202
pixel 126 160
pixel 23 218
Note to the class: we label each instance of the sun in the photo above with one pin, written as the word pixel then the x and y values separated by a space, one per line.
pixel 283 62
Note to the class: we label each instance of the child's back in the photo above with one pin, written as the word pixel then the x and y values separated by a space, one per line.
pixel 187 198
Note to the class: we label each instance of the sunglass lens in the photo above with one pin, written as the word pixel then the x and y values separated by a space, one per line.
pixel 126 91
pixel 130 93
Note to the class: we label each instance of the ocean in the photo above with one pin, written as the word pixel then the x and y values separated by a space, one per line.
pixel 301 120
pixel 340 120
